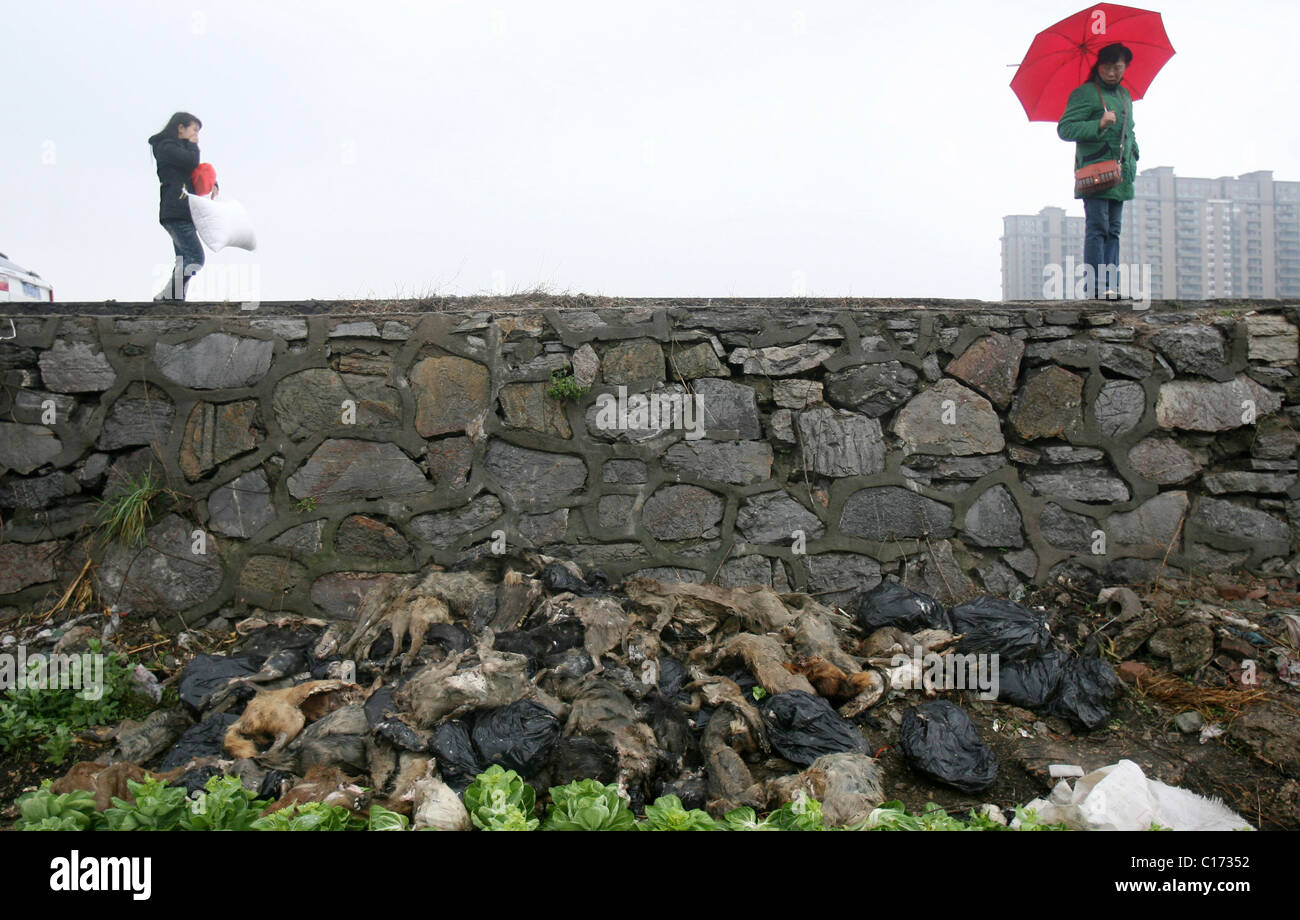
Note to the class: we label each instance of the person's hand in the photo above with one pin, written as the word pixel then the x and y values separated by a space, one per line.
pixel 1107 120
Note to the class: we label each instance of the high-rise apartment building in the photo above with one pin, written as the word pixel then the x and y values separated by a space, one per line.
pixel 1202 238
pixel 1032 242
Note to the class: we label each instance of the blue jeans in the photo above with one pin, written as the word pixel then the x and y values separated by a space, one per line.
pixel 189 256
pixel 1102 219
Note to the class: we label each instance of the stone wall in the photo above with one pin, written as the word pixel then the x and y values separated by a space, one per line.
pixel 962 446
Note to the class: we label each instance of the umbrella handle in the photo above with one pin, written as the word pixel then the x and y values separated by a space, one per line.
pixel 1123 131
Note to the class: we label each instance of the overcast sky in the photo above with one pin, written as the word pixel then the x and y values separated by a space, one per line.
pixel 740 148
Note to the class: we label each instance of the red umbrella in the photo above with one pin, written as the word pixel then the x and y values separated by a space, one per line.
pixel 1062 55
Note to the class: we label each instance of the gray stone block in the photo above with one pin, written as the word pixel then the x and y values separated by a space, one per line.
pixel 242 506
pixel 216 361
pixel 889 512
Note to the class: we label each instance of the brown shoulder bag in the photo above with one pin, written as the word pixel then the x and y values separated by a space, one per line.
pixel 1096 178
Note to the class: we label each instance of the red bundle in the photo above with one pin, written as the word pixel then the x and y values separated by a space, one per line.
pixel 203 178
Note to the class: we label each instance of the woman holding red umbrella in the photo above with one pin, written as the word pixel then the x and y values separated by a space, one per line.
pixel 1099 119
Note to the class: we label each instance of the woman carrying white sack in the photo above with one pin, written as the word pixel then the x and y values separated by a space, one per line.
pixel 188 210
pixel 176 151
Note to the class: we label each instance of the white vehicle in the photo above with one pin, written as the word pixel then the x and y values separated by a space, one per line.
pixel 17 283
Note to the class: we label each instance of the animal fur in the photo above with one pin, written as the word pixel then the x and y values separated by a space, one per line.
pixel 325 784
pixel 106 781
pixel 829 681
pixel 764 657
pixel 414 619
pixel 410 771
pixel 279 715
pixel 408 606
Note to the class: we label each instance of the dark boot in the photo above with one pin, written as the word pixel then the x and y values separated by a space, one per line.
pixel 190 272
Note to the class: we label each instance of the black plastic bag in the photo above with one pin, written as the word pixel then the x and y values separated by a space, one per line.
pixel 1031 682
pixel 558 579
pixel 275 784
pixel 287 662
pixel 939 741
pixel 693 791
pixel 673 735
pixel 744 680
pixel 321 669
pixel 454 750
pixel 559 636
pixel 992 625
pixel 203 740
pixel 400 735
pixel 518 736
pixel 265 642
pixel 891 604
pixel 1087 685
pixel 194 780
pixel 672 677
pixel 451 636
pixel 803 727
pixel 382 648
pixel 206 674
pixel 520 642
pixel 538 644
pixel 380 705
pixel 579 757
pixel 573 662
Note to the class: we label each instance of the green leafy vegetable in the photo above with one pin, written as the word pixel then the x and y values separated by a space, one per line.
pixel 803 814
pixel 224 805
pixel 158 807
pixel 499 800
pixel 893 816
pixel 381 819
pixel 1029 821
pixel 668 814
pixel 309 816
pixel 588 805
pixel 42 810
pixel 47 719
pixel 743 819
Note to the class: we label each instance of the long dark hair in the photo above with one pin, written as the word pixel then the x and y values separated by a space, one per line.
pixel 1107 55
pixel 175 123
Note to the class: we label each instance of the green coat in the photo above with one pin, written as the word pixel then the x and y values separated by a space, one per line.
pixel 1079 124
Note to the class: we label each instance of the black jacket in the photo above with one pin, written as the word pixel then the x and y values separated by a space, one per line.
pixel 176 160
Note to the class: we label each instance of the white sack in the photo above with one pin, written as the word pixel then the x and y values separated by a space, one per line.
pixel 1119 797
pixel 221 223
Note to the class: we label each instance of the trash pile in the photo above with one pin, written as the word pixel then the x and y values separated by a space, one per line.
pixel 938 739
pixel 1204 633
pixel 721 698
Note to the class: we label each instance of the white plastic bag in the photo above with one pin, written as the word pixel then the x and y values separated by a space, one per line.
pixel 221 223
pixel 1119 797
pixel 437 806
